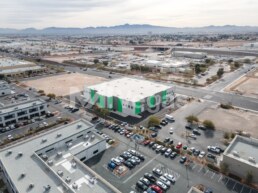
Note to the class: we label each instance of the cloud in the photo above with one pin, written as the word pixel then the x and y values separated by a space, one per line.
pixel 82 13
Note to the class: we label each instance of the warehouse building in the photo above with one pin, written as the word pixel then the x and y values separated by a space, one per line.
pixel 242 157
pixel 13 113
pixel 53 161
pixel 4 88
pixel 128 96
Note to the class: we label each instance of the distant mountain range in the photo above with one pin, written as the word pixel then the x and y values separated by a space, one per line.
pixel 128 29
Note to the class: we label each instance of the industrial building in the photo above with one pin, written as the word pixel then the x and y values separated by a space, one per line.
pixel 128 96
pixel 192 55
pixel 241 156
pixel 4 88
pixel 13 113
pixel 53 161
pixel 14 67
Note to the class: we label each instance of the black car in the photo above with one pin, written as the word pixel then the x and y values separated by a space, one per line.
pixel 141 186
pixel 74 110
pixel 166 140
pixel 141 157
pixel 163 123
pixel 183 160
pixel 211 156
pixel 173 155
pixel 151 144
pixel 158 126
pixel 196 132
pixel 129 164
pixel 163 150
pixel 196 152
pixel 153 135
pixel 153 129
pixel 150 177
pixel 189 126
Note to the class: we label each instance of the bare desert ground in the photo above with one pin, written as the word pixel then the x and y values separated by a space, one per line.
pixel 65 84
pixel 232 120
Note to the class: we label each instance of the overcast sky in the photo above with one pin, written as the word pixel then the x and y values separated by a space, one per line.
pixel 84 13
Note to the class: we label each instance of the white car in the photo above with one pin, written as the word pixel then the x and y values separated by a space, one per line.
pixel 165 181
pixel 9 137
pixel 193 136
pixel 202 154
pixel 161 185
pixel 171 131
pixel 170 177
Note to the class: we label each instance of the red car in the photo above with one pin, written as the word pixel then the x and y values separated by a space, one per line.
pixel 156 188
pixel 146 142
pixel 179 145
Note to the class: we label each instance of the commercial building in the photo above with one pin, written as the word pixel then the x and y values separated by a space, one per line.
pixel 14 67
pixel 193 55
pixel 53 162
pixel 128 96
pixel 4 88
pixel 241 156
pixel 13 113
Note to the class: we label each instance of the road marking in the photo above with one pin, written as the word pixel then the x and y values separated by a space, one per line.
pixel 234 186
pixel 200 170
pixel 206 172
pixel 194 166
pixel 140 169
pixel 220 178
pixel 242 189
pixel 213 175
pixel 227 181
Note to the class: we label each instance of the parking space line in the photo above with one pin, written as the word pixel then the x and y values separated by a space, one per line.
pixel 250 190
pixel 212 175
pixel 242 189
pixel 234 186
pixel 194 166
pixel 206 172
pixel 227 182
pixel 140 169
pixel 200 170
pixel 220 178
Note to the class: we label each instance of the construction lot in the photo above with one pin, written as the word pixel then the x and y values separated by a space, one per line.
pixel 65 84
pixel 247 85
pixel 231 120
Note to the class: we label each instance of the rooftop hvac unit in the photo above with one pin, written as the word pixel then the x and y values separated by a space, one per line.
pixel 23 175
pixel 235 153
pixel 58 135
pixel 251 159
pixel 20 154
pixel 31 185
pixel 79 125
pixel 9 152
pixel 44 140
pixel 47 188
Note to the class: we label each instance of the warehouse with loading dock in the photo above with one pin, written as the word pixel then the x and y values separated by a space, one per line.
pixel 128 96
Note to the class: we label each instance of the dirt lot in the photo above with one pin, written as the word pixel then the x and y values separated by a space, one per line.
pixel 232 120
pixel 65 84
pixel 246 85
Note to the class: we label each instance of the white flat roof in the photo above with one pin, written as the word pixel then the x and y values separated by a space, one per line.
pixel 37 172
pixel 129 89
pixel 242 148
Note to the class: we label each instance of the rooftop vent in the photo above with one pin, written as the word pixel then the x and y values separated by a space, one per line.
pixel 9 152
pixel 31 186
pixel 20 154
pixel 47 188
pixel 23 175
pixel 235 153
pixel 44 140
pixel 79 125
pixel 251 159
pixel 58 135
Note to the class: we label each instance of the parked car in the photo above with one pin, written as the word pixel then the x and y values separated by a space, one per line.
pixel 161 185
pixel 153 135
pixel 166 140
pixel 141 186
pixel 173 155
pixel 202 154
pixel 156 188
pixel 150 177
pixel 168 152
pixel 170 177
pixel 145 181
pixel 158 126
pixel 165 181
pixel 183 160
pixel 179 145
pixel 213 149
pixel 211 156
pixel 129 164
pixel 196 132
pixel 196 152
pixel 151 144
pixel 157 171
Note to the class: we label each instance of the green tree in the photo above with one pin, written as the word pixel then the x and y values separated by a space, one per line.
pixel 249 177
pixel 153 120
pixel 220 72
pixel 191 119
pixel 51 96
pixel 209 124
pixel 96 61
pixel 197 69
pixel 105 63
pixel 104 112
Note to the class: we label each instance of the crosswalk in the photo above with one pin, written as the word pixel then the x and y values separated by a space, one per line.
pixel 164 169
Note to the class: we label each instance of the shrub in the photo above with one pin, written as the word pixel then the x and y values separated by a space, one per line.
pixel 226 135
pixel 226 106
pixel 249 177
pixel 192 118
pixel 235 177
pixel 213 167
pixel 209 124
pixel 153 120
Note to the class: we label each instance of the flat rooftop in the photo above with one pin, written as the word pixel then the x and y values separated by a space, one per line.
pixel 20 105
pixel 129 89
pixel 39 172
pixel 242 148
